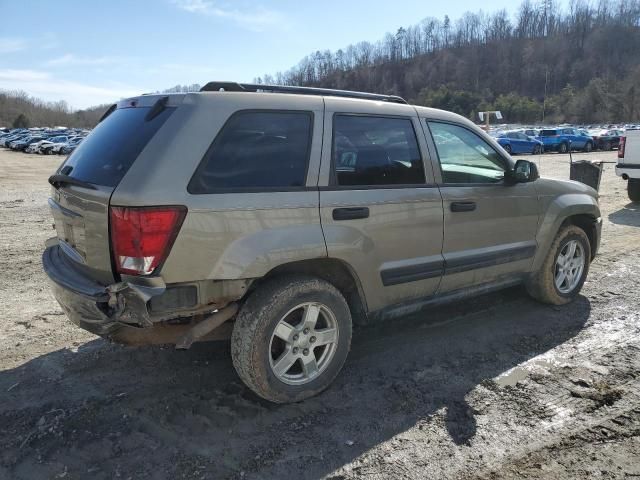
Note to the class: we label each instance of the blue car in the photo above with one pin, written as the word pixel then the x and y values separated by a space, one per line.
pixel 564 139
pixel 516 142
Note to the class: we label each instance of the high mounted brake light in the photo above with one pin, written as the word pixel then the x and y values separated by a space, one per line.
pixel 142 237
pixel 623 144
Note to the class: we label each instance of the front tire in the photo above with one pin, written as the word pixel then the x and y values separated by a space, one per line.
pixel 564 148
pixel 508 149
pixel 537 150
pixel 633 189
pixel 291 338
pixel 588 147
pixel 564 270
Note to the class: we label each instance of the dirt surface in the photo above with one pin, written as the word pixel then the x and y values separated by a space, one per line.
pixel 498 387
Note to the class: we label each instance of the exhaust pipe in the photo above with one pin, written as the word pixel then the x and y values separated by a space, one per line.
pixel 206 326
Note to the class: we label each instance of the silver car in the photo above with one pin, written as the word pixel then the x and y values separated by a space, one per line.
pixel 279 216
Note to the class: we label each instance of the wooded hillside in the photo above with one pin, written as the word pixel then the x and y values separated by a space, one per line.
pixel 18 109
pixel 581 64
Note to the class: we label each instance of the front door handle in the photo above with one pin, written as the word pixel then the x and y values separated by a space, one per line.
pixel 350 213
pixel 463 206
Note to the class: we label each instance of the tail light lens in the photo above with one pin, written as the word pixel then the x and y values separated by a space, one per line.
pixel 141 237
pixel 623 144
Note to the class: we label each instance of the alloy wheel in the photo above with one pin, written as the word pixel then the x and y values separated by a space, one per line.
pixel 569 267
pixel 303 343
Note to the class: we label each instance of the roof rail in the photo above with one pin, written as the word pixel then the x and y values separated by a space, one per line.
pixel 250 87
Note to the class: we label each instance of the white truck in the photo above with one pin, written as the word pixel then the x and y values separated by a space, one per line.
pixel 628 166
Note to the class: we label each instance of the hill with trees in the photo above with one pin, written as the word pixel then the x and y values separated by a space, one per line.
pixel 544 64
pixel 19 110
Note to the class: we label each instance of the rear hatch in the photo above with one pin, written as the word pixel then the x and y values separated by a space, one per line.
pixel 84 183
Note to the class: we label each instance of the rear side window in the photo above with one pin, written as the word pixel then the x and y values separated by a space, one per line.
pixel 105 156
pixel 548 133
pixel 371 151
pixel 257 150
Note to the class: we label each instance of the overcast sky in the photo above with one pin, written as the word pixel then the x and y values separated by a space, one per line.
pixel 93 52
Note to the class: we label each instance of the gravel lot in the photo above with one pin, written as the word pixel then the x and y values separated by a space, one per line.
pixel 500 387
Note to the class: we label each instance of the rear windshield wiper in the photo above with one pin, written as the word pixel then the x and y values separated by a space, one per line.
pixel 60 179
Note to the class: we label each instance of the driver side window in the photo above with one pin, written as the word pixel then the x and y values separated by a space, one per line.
pixel 464 156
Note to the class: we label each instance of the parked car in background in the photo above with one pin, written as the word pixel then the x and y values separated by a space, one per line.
pixel 628 166
pixel 516 142
pixel 43 140
pixel 606 139
pixel 23 143
pixel 52 143
pixel 35 147
pixel 564 139
pixel 67 148
pixel 531 132
pixel 6 140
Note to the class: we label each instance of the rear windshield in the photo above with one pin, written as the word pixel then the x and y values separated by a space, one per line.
pixel 104 157
pixel 548 133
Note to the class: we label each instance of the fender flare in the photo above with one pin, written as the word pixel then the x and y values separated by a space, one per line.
pixel 559 210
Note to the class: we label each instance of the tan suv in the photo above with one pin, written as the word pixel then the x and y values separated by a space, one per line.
pixel 280 215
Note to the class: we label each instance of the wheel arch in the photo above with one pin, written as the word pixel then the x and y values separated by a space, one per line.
pixel 337 272
pixel 569 209
pixel 589 224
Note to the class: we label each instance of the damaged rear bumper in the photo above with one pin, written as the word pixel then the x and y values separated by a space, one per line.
pixel 121 313
pixel 97 308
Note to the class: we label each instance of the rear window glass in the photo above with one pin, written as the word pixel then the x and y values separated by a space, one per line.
pixel 105 156
pixel 257 150
pixel 548 133
pixel 376 151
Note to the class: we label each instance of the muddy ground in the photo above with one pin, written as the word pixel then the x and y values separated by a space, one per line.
pixel 499 387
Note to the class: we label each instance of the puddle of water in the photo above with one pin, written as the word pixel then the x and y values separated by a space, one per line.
pixel 522 372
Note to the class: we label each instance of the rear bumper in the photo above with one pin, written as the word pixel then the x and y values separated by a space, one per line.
pixel 118 311
pixel 90 305
pixel 630 170
pixel 85 301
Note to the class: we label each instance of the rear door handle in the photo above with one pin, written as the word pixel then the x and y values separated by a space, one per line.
pixel 463 206
pixel 350 213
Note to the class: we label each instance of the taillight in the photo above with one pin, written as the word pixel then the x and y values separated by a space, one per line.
pixel 141 237
pixel 623 143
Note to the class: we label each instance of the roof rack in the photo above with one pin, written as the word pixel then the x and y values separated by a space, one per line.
pixel 250 87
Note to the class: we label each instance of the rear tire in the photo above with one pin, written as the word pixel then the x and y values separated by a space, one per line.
pixel 275 328
pixel 546 285
pixel 607 146
pixel 588 147
pixel 633 189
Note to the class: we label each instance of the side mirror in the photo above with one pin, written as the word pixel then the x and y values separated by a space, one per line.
pixel 525 171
